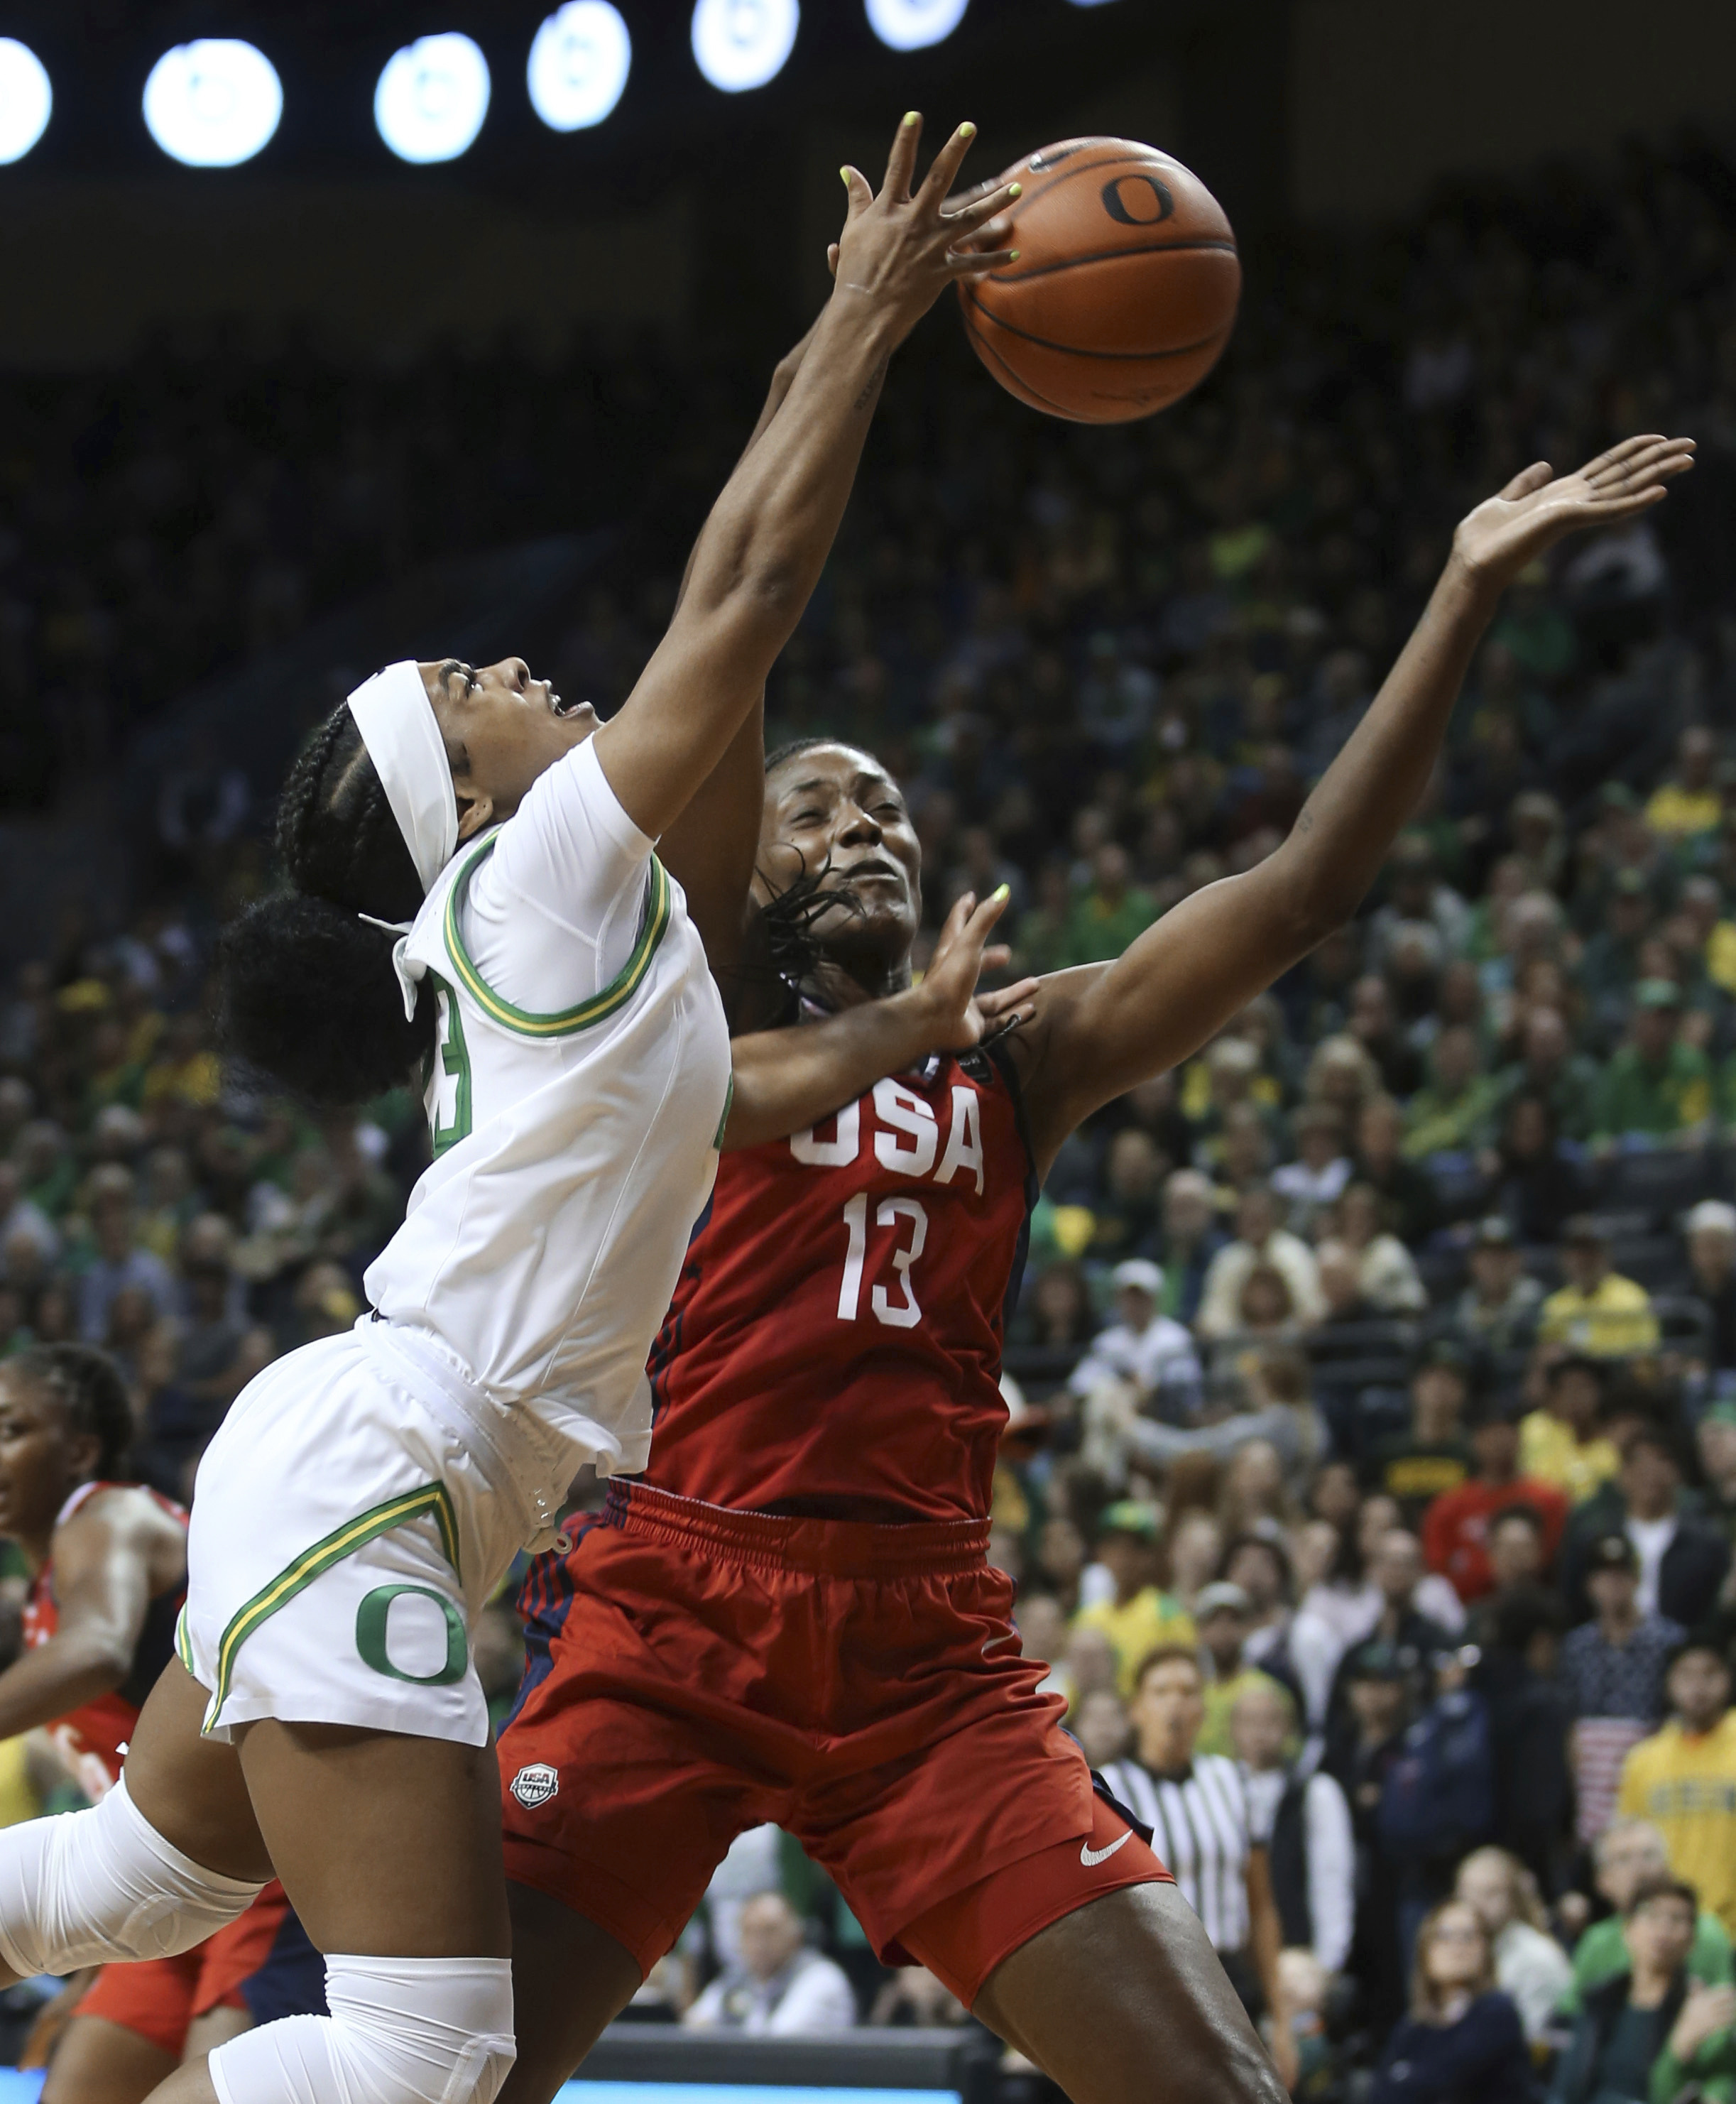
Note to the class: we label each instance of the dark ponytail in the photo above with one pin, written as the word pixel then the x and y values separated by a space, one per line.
pixel 308 994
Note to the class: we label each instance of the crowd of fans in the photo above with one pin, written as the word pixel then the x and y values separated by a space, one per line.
pixel 1371 1477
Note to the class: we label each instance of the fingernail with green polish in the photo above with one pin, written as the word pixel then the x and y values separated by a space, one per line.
pixel 967 130
pixel 1003 891
pixel 1015 190
pixel 913 117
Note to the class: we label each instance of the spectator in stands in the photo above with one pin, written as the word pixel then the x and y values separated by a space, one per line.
pixel 1191 1239
pixel 1715 1436
pixel 1127 1212
pixel 1386 1273
pixel 1597 1311
pixel 1533 1181
pixel 1652 2032
pixel 1314 1182
pixel 117 1261
pixel 1549 1067
pixel 1149 1350
pixel 1457 1526
pixel 1497 1312
pixel 1681 1559
pixel 1113 912
pixel 1339 1268
pixel 1432 1458
pixel 1516 1545
pixel 1300 1816
pixel 1055 1312
pixel 1203 1826
pixel 1687 803
pixel 1519 1630
pixel 1260 1241
pixel 1463 2039
pixel 1102 1725
pixel 1374 1025
pixel 1411 1205
pixel 1416 894
pixel 1530 1966
pixel 1613 1669
pixel 1403 1630
pixel 1658 1086
pixel 1711 1261
pixel 1376 1517
pixel 1683 1779
pixel 1609 967
pixel 1628 1854
pixel 1139 1615
pixel 1224 1615
pixel 1454 1111
pixel 1565 1442
pixel 1362 1747
pixel 782 1989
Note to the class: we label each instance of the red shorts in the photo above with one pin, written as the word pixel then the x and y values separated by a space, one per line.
pixel 694 1672
pixel 159 1998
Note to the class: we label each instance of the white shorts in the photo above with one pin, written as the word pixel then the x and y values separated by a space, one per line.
pixel 351 1519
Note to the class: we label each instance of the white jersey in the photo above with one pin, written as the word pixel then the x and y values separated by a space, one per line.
pixel 576 1098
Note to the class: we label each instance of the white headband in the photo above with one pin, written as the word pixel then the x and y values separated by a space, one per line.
pixel 397 722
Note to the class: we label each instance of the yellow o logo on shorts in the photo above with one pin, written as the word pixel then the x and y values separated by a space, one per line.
pixel 371 1621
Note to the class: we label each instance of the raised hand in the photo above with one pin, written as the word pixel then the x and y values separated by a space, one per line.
pixel 957 1017
pixel 902 248
pixel 1535 509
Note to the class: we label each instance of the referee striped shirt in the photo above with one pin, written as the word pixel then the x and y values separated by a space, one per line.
pixel 1202 1828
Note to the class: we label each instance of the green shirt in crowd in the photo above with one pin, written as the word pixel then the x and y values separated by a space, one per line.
pixel 1640 1095
pixel 1097 931
pixel 1600 1954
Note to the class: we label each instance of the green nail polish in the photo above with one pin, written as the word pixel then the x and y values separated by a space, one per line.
pixel 912 117
pixel 1016 190
pixel 845 173
pixel 1013 256
pixel 967 130
pixel 1003 891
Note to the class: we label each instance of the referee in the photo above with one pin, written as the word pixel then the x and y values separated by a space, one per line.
pixel 1202 1822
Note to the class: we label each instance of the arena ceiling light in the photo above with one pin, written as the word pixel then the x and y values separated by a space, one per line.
pixel 579 63
pixel 739 44
pixel 432 98
pixel 213 103
pixel 907 25
pixel 25 99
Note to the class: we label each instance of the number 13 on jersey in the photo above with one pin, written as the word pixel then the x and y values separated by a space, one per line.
pixel 903 1314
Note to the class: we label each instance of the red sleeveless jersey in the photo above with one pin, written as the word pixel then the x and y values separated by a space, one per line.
pixel 92 1740
pixel 834 1340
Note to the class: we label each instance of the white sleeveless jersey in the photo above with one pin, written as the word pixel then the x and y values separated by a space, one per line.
pixel 574 1146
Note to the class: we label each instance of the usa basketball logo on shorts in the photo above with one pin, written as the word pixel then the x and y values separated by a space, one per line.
pixel 536 1785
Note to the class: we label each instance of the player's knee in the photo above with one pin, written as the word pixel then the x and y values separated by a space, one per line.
pixel 86 1887
pixel 401 2031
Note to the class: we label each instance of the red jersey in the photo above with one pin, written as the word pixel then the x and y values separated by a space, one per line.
pixel 834 1343
pixel 1455 1529
pixel 93 1739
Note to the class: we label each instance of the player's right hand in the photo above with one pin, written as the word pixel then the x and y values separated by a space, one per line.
pixel 900 249
pixel 954 1018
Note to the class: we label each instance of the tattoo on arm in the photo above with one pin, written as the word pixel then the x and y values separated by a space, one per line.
pixel 874 384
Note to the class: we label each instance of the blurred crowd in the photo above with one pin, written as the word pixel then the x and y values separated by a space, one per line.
pixel 1371 1475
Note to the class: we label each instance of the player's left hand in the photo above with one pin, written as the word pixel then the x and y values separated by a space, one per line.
pixel 958 1017
pixel 1536 508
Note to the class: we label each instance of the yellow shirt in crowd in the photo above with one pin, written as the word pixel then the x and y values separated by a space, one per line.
pixel 1676 812
pixel 1151 1618
pixel 1615 1318
pixel 1684 1784
pixel 1549 1452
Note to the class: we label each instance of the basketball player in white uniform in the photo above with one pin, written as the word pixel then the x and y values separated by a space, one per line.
pixel 475 884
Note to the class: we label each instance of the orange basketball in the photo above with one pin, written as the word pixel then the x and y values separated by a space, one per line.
pixel 1125 288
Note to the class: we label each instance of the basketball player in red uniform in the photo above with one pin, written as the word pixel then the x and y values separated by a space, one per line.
pixel 109 1565
pixel 790 1617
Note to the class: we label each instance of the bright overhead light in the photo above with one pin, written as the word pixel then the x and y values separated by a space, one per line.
pixel 909 25
pixel 25 99
pixel 743 43
pixel 432 98
pixel 579 63
pixel 213 103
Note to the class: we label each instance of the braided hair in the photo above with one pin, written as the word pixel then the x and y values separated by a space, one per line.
pixel 789 943
pixel 87 1386
pixel 308 994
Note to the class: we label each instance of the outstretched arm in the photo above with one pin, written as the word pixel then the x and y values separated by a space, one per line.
pixel 102 1580
pixel 768 535
pixel 710 850
pixel 786 1080
pixel 1099 1030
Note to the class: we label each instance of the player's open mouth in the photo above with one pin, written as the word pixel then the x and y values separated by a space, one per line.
pixel 865 872
pixel 558 707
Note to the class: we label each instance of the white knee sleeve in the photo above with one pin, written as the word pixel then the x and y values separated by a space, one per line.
pixel 401 2031
pixel 89 1885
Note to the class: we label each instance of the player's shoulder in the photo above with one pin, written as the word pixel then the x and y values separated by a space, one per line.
pixel 118 1506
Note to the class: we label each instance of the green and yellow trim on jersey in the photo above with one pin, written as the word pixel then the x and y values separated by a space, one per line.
pixel 430 1500
pixel 653 925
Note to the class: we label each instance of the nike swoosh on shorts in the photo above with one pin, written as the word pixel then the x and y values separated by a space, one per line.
pixel 1091 1857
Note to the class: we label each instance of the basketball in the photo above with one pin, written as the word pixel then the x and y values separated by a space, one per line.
pixel 1125 288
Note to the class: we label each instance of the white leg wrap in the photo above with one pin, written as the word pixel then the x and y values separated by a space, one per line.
pixel 401 2031
pixel 86 1887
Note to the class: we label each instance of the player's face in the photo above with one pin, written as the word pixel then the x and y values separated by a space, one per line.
pixel 502 730
pixel 834 814
pixel 36 1470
